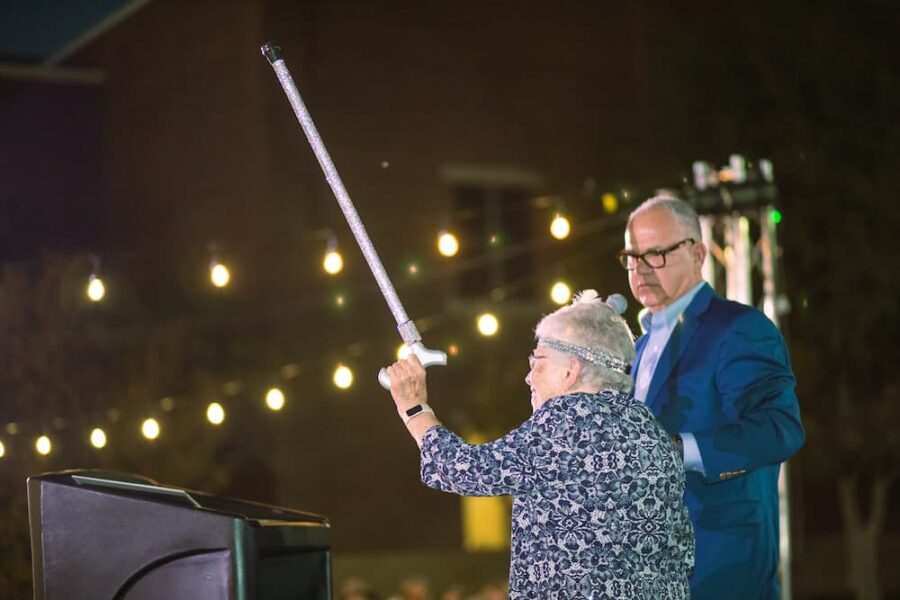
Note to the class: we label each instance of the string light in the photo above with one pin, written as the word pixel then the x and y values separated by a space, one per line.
pixel 43 445
pixel 343 377
pixel 98 438
pixel 447 244
pixel 219 274
pixel 403 352
pixel 560 227
pixel 96 290
pixel 333 263
pixel 150 428
pixel 488 325
pixel 215 414
pixel 275 399
pixel 560 292
pixel 2 450
pixel 610 203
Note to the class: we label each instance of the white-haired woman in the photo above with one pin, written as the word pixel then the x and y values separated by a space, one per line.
pixel 598 486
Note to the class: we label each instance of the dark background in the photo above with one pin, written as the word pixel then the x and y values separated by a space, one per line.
pixel 165 133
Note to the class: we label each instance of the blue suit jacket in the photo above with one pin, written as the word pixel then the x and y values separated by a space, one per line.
pixel 725 376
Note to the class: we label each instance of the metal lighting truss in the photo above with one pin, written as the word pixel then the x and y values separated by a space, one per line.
pixel 738 221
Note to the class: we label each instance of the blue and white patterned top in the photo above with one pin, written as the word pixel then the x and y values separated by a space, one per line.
pixel 598 509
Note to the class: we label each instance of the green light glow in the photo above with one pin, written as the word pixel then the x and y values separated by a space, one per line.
pixel 776 216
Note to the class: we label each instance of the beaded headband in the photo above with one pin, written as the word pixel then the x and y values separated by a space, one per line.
pixel 597 357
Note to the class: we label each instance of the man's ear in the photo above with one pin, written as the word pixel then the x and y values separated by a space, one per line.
pixel 702 251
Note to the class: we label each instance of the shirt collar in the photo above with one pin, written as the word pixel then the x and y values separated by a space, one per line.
pixel 668 316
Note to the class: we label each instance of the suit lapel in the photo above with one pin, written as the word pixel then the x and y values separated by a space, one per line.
pixel 679 342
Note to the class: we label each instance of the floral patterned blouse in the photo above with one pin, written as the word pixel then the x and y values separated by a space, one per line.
pixel 597 488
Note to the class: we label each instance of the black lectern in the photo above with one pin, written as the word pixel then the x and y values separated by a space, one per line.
pixel 97 536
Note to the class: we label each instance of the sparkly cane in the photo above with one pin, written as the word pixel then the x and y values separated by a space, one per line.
pixel 405 326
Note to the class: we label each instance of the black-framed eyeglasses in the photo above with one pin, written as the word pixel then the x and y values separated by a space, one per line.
pixel 655 259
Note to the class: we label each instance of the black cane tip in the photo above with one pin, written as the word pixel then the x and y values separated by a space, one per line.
pixel 271 51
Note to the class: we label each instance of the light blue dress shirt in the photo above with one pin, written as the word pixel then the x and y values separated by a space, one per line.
pixel 660 326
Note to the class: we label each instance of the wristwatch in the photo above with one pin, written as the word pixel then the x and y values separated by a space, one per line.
pixel 413 412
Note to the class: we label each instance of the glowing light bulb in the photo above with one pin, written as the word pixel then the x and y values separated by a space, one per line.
pixel 343 377
pixel 488 324
pixel 453 350
pixel 95 289
pixel 611 203
pixel 560 292
pixel 447 244
pixel 43 445
pixel 98 438
pixel 275 399
pixel 559 227
pixel 403 351
pixel 150 428
pixel 333 262
pixel 219 275
pixel 215 414
pixel 2 450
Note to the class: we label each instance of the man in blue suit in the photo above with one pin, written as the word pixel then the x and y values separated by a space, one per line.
pixel 717 375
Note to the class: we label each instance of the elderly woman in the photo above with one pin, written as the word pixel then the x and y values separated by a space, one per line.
pixel 597 484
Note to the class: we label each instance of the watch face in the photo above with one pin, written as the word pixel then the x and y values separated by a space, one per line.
pixel 414 410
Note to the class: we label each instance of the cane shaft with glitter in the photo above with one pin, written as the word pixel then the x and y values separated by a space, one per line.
pixel 405 326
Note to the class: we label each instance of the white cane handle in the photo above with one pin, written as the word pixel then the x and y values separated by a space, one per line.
pixel 425 355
